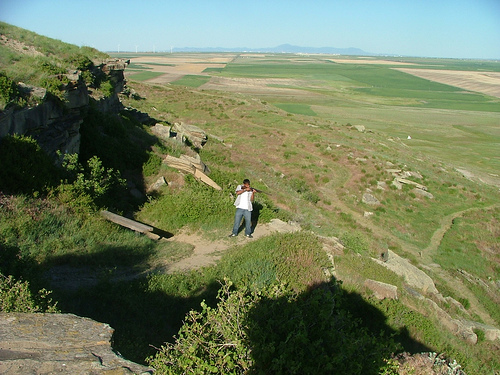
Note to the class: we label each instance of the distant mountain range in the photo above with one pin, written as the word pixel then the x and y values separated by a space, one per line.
pixel 284 48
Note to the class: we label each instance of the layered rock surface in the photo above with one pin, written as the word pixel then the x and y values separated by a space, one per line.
pixel 59 343
pixel 55 125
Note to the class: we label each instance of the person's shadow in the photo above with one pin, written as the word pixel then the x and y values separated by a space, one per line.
pixel 257 207
pixel 324 330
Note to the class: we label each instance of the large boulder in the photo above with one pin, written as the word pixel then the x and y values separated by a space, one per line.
pixel 191 133
pixel 412 275
pixel 382 290
pixel 59 343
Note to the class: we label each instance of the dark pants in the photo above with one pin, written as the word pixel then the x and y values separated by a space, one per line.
pixel 240 212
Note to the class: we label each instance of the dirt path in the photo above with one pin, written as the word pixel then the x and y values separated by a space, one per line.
pixel 425 258
pixel 444 225
pixel 207 252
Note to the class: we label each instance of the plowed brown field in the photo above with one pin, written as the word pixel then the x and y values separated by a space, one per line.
pixel 484 82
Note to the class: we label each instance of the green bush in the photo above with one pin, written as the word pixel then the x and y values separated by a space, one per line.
pixel 16 296
pixel 107 89
pixel 80 62
pixel 152 165
pixel 273 331
pixel 91 186
pixel 25 167
pixel 8 91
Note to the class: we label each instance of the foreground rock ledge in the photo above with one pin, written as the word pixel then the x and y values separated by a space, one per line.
pixel 59 343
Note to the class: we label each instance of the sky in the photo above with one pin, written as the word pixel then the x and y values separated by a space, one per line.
pixel 426 28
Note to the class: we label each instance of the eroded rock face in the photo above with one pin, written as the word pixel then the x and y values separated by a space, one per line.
pixel 56 126
pixel 59 343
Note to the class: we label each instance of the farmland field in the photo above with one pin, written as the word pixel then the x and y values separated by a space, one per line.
pixel 449 108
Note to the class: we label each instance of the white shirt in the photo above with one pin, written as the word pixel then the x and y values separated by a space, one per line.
pixel 244 200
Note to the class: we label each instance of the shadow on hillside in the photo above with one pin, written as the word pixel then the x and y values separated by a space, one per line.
pixel 324 330
pixel 121 143
pixel 112 290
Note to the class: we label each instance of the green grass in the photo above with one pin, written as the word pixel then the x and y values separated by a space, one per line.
pixel 472 244
pixel 54 56
pixel 316 175
pixel 191 81
pixel 298 109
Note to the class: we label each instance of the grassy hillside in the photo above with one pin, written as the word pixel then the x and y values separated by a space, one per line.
pixel 289 124
pixel 39 61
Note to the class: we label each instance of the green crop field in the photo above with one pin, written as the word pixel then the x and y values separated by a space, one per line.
pixel 191 81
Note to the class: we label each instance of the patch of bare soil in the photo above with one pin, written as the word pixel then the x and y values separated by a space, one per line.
pixel 369 61
pixel 267 86
pixel 19 46
pixel 176 67
pixel 484 82
pixel 207 252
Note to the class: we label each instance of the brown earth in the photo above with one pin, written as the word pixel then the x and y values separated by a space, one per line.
pixel 369 61
pixel 484 82
pixel 176 66
pixel 207 252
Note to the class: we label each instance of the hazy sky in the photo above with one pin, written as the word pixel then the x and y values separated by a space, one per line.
pixel 432 28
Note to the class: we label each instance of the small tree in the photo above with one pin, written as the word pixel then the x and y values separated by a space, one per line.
pixel 90 186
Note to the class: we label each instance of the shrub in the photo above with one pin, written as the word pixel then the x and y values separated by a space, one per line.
pixel 8 91
pixel 273 331
pixel 25 167
pixel 80 62
pixel 152 165
pixel 107 89
pixel 15 296
pixel 90 186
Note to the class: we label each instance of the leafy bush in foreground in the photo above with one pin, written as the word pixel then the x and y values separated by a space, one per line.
pixel 15 296
pixel 273 331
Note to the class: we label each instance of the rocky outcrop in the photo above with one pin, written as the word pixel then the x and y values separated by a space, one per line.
pixel 190 133
pixel 419 284
pixel 382 290
pixel 59 343
pixel 413 276
pixel 55 127
pixel 55 124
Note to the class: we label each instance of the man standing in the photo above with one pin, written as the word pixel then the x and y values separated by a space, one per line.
pixel 243 203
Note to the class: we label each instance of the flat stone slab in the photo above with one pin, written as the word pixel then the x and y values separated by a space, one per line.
pixel 59 343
